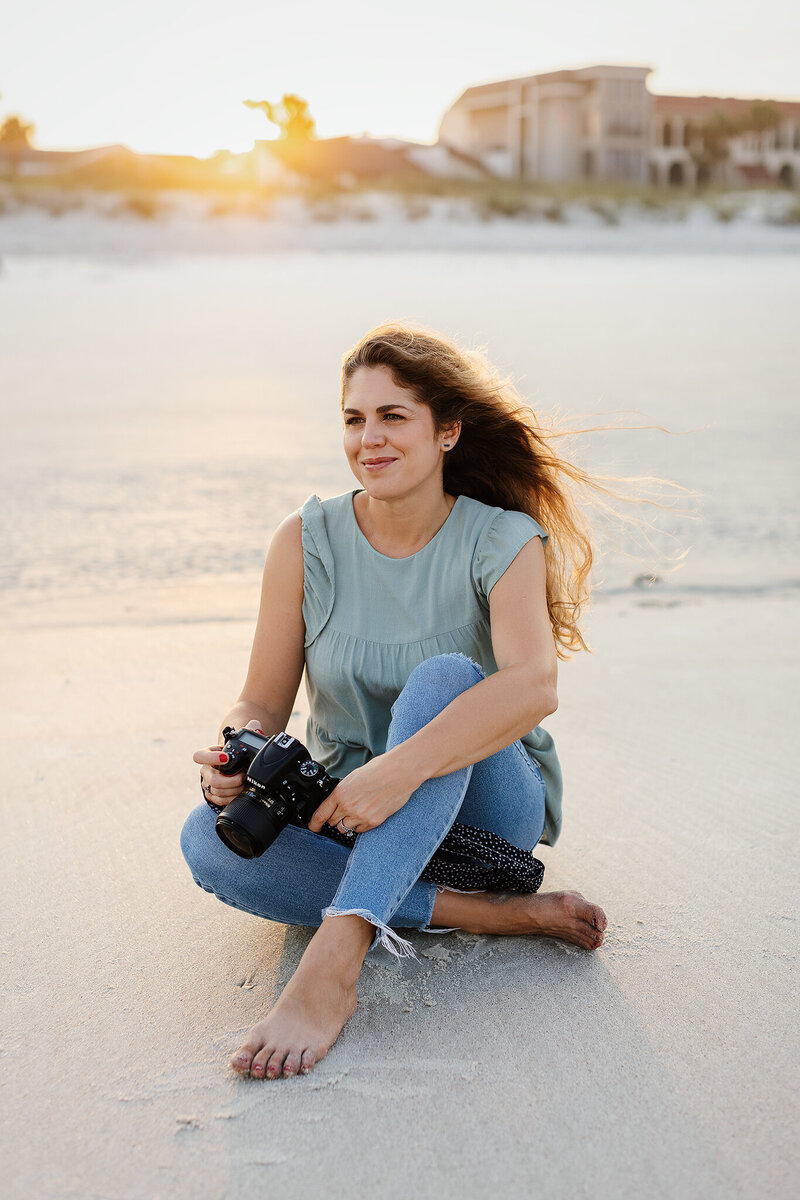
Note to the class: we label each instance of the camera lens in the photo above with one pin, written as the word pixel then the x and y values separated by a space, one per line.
pixel 236 839
pixel 249 824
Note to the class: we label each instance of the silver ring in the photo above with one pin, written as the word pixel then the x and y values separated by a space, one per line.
pixel 345 828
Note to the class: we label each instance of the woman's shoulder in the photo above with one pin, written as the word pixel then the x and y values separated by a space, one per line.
pixel 313 509
pixel 497 536
pixel 318 519
pixel 495 523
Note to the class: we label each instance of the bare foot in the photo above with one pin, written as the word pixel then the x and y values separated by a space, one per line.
pixel 565 915
pixel 314 1007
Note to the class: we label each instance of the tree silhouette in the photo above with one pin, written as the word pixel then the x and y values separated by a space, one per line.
pixel 716 132
pixel 291 116
pixel 15 136
pixel 763 115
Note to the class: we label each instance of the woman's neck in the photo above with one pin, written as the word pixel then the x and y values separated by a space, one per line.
pixel 399 527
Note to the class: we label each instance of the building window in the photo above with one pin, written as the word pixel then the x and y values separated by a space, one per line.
pixel 624 164
pixel 623 125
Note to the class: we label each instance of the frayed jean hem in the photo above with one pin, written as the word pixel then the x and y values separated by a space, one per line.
pixel 384 936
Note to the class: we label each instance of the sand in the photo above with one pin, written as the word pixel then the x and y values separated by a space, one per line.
pixel 754 223
pixel 660 1066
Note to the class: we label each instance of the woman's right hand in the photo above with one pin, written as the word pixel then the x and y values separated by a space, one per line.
pixel 219 788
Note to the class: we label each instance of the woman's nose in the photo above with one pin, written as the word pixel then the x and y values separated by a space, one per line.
pixel 373 433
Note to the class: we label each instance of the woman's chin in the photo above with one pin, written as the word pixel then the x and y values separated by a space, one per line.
pixel 379 486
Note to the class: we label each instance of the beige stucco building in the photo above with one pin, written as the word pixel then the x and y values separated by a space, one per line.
pixel 583 124
pixel 602 122
pixel 754 156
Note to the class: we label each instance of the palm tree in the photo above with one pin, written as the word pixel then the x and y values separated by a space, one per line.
pixel 15 136
pixel 291 116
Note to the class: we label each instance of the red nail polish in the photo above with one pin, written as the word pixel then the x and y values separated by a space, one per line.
pixel 223 758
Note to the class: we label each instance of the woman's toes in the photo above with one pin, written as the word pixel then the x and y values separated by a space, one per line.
pixel 242 1059
pixel 241 1062
pixel 291 1063
pixel 598 918
pixel 274 1064
pixel 259 1063
pixel 306 1062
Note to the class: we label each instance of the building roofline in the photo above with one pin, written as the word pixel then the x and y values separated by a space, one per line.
pixel 564 74
pixel 708 103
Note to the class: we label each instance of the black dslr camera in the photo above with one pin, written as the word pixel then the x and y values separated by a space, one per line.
pixel 283 785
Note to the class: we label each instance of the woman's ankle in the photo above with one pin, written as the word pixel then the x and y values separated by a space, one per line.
pixel 474 912
pixel 342 943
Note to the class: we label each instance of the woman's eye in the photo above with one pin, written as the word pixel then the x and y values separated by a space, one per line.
pixel 386 416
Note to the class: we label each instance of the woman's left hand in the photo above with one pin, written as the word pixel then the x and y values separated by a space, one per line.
pixel 365 797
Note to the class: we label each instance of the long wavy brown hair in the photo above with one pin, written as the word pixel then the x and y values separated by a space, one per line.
pixel 503 457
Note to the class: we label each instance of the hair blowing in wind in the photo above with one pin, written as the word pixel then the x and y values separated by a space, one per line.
pixel 504 456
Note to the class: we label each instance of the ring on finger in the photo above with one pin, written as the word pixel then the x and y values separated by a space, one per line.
pixel 346 828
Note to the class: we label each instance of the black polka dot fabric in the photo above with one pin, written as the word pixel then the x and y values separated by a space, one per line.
pixel 471 859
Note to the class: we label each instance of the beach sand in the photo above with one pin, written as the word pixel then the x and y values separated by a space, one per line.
pixel 163 409
pixel 660 1066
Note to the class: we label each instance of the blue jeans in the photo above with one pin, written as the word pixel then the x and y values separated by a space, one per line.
pixel 303 876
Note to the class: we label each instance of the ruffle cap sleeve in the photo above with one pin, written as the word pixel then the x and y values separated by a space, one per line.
pixel 318 574
pixel 498 546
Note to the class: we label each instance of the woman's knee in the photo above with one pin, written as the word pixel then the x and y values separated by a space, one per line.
pixel 199 841
pixel 433 684
pixel 446 672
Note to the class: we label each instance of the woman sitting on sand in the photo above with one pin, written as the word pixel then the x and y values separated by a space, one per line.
pixel 428 608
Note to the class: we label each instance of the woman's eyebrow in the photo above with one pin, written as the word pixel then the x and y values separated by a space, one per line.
pixel 381 409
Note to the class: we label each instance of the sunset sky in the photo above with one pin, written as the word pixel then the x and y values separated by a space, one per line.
pixel 170 75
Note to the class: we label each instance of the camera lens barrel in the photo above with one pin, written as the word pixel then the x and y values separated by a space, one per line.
pixel 248 825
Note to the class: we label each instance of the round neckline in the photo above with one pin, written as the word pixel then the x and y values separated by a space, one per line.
pixel 388 557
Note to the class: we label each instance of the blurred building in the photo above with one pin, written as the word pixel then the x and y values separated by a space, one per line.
pixel 602 122
pixel 351 162
pixel 25 161
pixel 679 153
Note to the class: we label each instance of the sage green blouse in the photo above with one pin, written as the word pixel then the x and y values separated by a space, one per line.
pixel 371 619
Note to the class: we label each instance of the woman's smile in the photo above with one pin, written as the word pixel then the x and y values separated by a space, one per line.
pixel 377 464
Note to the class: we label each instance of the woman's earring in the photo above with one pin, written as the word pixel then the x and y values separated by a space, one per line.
pixel 447 445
